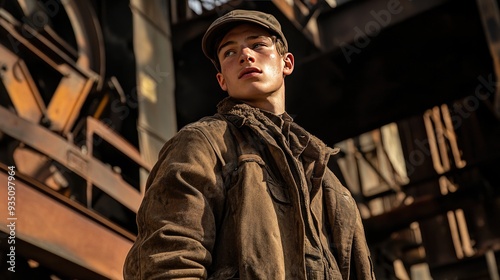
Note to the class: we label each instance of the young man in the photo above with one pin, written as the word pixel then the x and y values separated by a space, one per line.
pixel 247 193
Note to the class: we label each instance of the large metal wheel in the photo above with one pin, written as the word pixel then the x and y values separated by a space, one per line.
pixel 52 58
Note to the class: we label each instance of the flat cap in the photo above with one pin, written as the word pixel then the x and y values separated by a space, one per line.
pixel 221 25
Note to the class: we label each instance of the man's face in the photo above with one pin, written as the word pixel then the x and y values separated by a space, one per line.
pixel 252 70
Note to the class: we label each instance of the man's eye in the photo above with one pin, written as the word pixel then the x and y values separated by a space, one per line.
pixel 257 45
pixel 229 53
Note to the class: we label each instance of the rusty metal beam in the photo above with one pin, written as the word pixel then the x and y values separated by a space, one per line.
pixel 66 153
pixel 67 100
pixel 380 227
pixel 50 228
pixel 20 86
pixel 98 128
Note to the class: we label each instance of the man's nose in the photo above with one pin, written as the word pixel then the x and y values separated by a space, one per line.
pixel 246 55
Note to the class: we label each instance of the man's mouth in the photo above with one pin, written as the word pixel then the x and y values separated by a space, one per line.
pixel 249 71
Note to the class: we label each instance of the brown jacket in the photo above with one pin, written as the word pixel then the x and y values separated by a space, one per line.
pixel 237 195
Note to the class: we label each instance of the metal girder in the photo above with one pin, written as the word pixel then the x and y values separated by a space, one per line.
pixel 68 98
pixel 66 153
pixel 42 226
pixel 381 226
pixel 98 128
pixel 20 86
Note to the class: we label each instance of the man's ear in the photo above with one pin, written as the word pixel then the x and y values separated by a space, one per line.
pixel 222 81
pixel 289 64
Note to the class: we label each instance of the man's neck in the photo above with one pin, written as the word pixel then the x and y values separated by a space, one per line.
pixel 273 104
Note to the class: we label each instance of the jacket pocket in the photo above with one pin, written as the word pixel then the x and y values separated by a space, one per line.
pixel 276 187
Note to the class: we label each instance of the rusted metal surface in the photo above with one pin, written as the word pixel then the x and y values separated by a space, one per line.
pixel 66 102
pixel 43 222
pixel 381 226
pixel 49 72
pixel 21 88
pixel 77 74
pixel 98 128
pixel 68 154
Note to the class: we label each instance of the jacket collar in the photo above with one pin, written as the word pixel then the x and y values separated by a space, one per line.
pixel 241 114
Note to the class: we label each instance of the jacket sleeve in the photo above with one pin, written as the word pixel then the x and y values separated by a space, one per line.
pixel 177 218
pixel 361 258
pixel 349 242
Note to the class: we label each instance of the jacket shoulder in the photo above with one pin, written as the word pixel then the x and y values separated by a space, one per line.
pixel 214 128
pixel 216 122
pixel 217 132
